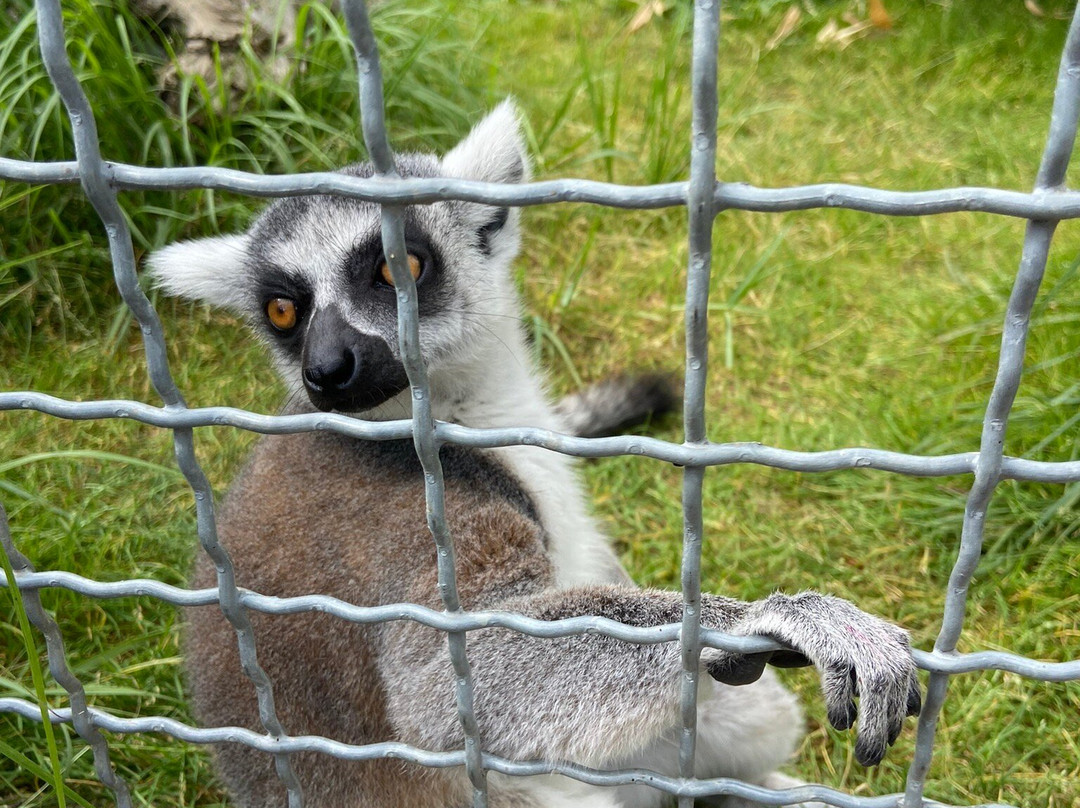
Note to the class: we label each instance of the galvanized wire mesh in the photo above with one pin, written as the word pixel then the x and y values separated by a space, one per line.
pixel 705 198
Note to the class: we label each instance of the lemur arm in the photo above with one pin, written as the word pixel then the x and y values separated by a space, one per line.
pixel 593 699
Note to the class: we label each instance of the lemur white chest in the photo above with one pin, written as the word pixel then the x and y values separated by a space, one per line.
pixel 512 396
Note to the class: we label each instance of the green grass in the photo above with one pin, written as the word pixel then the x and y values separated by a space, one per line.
pixel 829 328
pixel 59 276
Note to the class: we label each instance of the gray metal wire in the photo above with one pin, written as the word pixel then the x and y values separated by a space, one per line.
pixel 103 197
pixel 704 197
pixel 1041 204
pixel 79 716
pixel 399 751
pixel 471 621
pixel 701 212
pixel 1055 161
pixel 423 425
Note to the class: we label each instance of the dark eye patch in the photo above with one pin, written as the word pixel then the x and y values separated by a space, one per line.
pixel 488 231
pixel 370 293
pixel 363 264
pixel 273 283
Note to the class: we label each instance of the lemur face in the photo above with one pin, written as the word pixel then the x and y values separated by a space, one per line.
pixel 311 277
pixel 323 296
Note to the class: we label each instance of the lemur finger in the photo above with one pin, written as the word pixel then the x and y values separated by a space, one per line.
pixel 870 750
pixel 876 720
pixel 788 658
pixel 896 723
pixel 884 707
pixel 742 669
pixel 838 683
pixel 738 669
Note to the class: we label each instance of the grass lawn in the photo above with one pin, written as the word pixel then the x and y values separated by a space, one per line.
pixel 829 329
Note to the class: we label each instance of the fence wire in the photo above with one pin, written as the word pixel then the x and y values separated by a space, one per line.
pixel 705 198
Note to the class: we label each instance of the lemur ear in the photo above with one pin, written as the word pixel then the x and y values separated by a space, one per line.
pixel 494 151
pixel 209 269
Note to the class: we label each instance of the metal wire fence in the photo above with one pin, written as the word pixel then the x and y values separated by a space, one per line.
pixel 705 199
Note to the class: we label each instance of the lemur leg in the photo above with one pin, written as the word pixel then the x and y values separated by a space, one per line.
pixel 597 700
pixel 744 732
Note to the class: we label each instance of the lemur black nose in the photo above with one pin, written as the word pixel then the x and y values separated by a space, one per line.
pixel 347 370
pixel 333 374
pixel 331 358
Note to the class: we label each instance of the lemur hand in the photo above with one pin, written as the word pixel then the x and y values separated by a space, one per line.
pixel 855 653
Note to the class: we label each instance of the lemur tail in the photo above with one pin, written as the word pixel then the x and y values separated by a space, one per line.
pixel 612 405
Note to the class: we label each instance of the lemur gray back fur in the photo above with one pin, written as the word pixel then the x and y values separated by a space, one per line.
pixel 324 513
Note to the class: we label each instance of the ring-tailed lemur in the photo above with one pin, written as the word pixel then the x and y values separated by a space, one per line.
pixel 323 513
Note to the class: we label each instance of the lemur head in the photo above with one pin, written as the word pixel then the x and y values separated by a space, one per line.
pixel 310 275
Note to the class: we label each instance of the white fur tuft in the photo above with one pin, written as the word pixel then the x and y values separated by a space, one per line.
pixel 208 269
pixel 494 151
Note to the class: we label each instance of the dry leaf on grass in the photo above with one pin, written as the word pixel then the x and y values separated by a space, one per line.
pixel 833 35
pixel 1038 11
pixel 653 8
pixel 878 15
pixel 878 19
pixel 785 29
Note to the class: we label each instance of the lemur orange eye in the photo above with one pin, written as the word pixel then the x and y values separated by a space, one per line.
pixel 282 313
pixel 414 268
